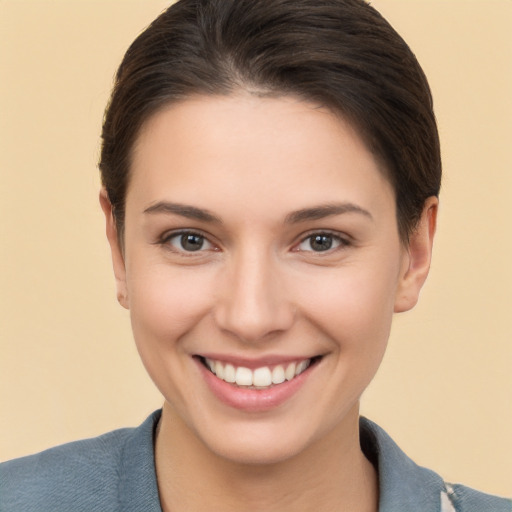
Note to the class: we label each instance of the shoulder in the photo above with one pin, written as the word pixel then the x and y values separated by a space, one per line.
pixel 83 475
pixel 67 473
pixel 403 485
pixel 465 499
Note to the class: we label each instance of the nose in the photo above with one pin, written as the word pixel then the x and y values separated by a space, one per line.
pixel 253 303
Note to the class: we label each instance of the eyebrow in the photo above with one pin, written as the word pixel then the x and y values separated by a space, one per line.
pixel 303 215
pixel 190 212
pixel 327 210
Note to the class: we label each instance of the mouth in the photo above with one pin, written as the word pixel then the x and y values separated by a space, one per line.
pixel 261 378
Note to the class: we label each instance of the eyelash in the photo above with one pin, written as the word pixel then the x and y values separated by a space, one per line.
pixel 335 239
pixel 179 236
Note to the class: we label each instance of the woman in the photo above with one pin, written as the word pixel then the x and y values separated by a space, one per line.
pixel 271 172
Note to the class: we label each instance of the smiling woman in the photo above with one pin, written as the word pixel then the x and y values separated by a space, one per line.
pixel 270 178
pixel 256 296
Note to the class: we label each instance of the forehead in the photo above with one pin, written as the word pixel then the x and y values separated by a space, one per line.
pixel 280 148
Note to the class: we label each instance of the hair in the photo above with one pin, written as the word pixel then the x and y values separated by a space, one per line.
pixel 341 54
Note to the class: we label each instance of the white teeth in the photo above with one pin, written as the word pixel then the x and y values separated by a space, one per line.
pixel 229 373
pixel 301 367
pixel 290 371
pixel 243 376
pixel 262 377
pixel 278 375
pixel 219 370
pixel 211 364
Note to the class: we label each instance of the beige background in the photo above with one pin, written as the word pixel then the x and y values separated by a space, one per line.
pixel 68 365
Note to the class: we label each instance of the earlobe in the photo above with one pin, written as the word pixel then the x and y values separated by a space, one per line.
pixel 418 258
pixel 116 250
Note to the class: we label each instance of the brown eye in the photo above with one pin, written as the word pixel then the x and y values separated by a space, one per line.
pixel 189 242
pixel 321 242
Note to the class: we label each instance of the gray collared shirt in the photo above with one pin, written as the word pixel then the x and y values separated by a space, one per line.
pixel 116 472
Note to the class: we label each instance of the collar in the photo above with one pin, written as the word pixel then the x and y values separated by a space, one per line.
pixel 138 489
pixel 403 485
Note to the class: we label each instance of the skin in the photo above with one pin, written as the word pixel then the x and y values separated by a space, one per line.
pixel 256 289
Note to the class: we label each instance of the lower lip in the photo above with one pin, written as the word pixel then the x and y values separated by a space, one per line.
pixel 253 400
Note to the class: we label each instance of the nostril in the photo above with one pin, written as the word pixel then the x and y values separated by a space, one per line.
pixel 254 322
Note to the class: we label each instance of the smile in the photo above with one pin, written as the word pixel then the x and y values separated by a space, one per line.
pixel 258 378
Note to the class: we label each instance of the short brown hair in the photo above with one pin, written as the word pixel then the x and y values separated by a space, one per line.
pixel 341 54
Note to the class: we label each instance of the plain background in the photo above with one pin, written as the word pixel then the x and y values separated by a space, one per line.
pixel 68 366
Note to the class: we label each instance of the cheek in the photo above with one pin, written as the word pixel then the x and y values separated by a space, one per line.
pixel 353 305
pixel 167 302
pixel 165 305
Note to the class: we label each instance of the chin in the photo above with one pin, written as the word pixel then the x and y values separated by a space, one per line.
pixel 258 450
pixel 259 441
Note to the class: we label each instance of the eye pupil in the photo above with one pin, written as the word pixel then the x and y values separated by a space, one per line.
pixel 191 242
pixel 321 242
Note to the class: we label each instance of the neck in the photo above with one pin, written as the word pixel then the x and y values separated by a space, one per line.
pixel 331 474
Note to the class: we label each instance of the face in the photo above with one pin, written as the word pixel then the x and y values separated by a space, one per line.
pixel 261 266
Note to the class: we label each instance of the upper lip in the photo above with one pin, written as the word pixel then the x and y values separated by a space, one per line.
pixel 253 363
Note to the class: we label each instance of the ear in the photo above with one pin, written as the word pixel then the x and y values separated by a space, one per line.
pixel 116 250
pixel 418 255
